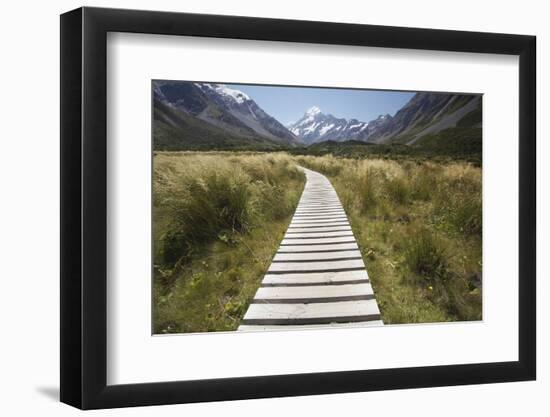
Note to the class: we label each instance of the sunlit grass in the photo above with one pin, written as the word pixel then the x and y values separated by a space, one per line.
pixel 218 220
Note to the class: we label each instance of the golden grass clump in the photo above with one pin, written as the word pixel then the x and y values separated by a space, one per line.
pixel 217 221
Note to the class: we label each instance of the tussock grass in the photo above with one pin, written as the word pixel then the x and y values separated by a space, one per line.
pixel 426 256
pixel 218 219
pixel 418 224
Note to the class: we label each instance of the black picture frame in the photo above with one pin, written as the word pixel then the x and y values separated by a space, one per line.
pixel 84 207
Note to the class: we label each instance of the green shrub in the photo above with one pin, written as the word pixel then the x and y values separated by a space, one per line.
pixel 425 255
pixel 460 211
pixel 398 190
pixel 467 216
pixel 208 197
pixel 174 246
pixel 424 182
pixel 215 202
pixel 368 196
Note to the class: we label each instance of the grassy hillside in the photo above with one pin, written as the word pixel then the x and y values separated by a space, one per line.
pixel 455 144
pixel 458 143
pixel 461 112
pixel 218 219
pixel 418 225
pixel 176 131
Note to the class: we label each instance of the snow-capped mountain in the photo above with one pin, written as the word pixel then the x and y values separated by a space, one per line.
pixel 222 107
pixel 425 113
pixel 316 126
pixel 228 95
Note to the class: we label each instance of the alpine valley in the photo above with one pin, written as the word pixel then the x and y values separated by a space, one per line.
pixel 199 116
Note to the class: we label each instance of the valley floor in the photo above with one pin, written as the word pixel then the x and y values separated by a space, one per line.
pixel 219 218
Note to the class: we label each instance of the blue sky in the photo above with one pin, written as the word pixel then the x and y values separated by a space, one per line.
pixel 288 104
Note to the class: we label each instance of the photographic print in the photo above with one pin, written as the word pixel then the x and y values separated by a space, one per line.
pixel 286 207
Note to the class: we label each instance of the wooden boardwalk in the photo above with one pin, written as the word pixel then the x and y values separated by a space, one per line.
pixel 317 278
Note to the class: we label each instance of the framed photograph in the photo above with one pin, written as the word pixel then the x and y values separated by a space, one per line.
pixel 257 208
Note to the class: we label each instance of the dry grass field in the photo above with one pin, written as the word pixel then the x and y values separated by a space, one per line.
pixel 219 218
pixel 419 227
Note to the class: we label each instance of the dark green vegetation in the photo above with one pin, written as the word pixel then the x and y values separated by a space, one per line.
pixel 218 220
pixel 454 144
pixel 460 143
pixel 419 228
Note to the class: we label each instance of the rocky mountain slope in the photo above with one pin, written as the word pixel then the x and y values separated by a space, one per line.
pixel 428 114
pixel 183 109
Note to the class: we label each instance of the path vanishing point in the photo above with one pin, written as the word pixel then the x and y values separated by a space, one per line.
pixel 317 278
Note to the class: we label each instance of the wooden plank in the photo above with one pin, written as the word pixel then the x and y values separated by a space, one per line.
pixel 321 225
pixel 319 211
pixel 330 312
pixel 252 328
pixel 318 248
pixel 319 277
pixel 329 240
pixel 327 291
pixel 318 232
pixel 325 258
pixel 323 212
pixel 327 216
pixel 301 284
pixel 284 257
pixel 320 199
pixel 319 205
pixel 320 216
pixel 318 223
pixel 312 300
pixel 314 229
pixel 311 235
pixel 332 198
pixel 315 236
pixel 316 266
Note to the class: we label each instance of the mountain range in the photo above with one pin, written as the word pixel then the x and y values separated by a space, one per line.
pixel 315 126
pixel 425 113
pixel 190 115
